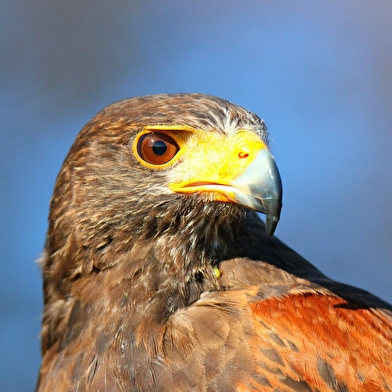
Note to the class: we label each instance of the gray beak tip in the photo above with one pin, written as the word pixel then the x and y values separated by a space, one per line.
pixel 260 188
pixel 270 224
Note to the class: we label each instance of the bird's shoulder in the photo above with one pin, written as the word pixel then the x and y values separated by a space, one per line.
pixel 274 328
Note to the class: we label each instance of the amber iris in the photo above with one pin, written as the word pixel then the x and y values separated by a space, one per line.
pixel 157 148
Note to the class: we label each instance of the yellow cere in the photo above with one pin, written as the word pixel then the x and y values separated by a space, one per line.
pixel 214 159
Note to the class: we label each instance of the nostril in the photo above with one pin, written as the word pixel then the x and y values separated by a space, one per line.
pixel 243 154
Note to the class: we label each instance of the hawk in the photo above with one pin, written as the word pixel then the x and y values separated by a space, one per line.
pixel 159 274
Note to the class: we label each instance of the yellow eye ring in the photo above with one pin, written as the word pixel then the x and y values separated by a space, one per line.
pixel 156 149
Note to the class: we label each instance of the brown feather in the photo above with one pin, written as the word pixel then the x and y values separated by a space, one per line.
pixel 131 299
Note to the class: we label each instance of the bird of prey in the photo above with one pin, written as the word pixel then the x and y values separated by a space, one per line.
pixel 159 274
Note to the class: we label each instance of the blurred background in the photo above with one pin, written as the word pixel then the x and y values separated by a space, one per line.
pixel 318 72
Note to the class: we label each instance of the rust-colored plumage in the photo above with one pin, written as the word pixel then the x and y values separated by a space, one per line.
pixel 160 276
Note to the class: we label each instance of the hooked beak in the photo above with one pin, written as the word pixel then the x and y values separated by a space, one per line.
pixel 260 188
pixel 247 175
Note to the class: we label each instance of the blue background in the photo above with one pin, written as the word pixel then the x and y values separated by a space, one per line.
pixel 318 72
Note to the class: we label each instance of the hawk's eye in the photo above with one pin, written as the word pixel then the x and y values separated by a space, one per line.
pixel 157 148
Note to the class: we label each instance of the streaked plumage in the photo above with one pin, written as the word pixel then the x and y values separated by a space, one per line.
pixel 158 275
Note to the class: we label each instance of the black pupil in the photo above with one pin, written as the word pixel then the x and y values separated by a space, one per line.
pixel 159 147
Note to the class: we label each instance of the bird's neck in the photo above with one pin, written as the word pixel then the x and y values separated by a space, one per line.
pixel 141 276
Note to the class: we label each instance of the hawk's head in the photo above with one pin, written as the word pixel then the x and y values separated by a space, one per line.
pixel 182 170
